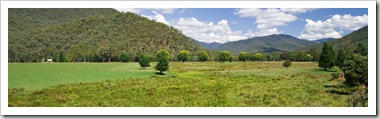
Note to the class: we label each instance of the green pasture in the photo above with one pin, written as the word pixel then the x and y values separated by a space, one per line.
pixel 189 84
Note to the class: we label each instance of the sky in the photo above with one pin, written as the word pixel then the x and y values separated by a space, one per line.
pixel 232 24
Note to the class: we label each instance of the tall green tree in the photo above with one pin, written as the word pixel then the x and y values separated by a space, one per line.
pixel 243 56
pixel 332 57
pixel 163 57
pixel 61 57
pixel 224 56
pixel 341 58
pixel 325 57
pixel 184 55
pixel 202 56
pixel 144 61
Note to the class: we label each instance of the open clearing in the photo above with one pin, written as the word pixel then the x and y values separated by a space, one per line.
pixel 189 84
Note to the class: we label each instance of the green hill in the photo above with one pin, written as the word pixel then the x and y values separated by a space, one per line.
pixel 352 39
pixel 29 18
pixel 101 37
pixel 271 43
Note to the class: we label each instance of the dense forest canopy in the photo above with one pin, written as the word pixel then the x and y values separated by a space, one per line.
pixel 94 36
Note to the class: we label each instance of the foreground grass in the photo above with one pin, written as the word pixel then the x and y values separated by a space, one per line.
pixel 196 84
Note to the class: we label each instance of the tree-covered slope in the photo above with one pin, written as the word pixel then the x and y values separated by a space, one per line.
pixel 29 18
pixel 350 40
pixel 271 43
pixel 102 37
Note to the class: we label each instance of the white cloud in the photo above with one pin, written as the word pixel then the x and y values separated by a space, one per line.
pixel 265 32
pixel 297 10
pixel 133 10
pixel 328 29
pixel 164 10
pixel 139 10
pixel 268 19
pixel 271 18
pixel 210 32
pixel 248 12
pixel 157 17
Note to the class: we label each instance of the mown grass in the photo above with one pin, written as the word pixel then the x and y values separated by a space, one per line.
pixel 36 76
pixel 189 84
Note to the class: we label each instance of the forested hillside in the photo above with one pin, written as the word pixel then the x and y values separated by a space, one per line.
pixel 30 18
pixel 271 43
pixel 103 37
pixel 350 40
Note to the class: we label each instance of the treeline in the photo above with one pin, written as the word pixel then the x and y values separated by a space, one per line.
pixel 99 38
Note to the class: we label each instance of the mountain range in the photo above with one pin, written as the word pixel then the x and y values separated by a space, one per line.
pixel 323 40
pixel 271 43
pixel 104 34
pixel 347 41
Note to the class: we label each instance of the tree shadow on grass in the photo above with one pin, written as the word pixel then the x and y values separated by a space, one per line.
pixel 338 89
pixel 333 91
pixel 328 70
pixel 334 86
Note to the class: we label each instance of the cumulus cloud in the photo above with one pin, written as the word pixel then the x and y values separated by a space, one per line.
pixel 157 17
pixel 268 19
pixel 133 10
pixel 139 10
pixel 297 10
pixel 329 28
pixel 271 18
pixel 164 10
pixel 210 31
pixel 248 12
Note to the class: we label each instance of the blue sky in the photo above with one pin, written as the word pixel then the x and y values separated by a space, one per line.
pixel 230 24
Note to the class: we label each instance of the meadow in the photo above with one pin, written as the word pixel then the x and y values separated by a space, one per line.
pixel 188 84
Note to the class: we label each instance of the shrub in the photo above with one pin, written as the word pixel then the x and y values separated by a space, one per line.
pixel 356 70
pixel 144 61
pixel 224 56
pixel 184 55
pixel 287 63
pixel 243 56
pixel 124 57
pixel 203 56
pixel 230 59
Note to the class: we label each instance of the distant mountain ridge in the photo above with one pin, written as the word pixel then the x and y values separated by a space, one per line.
pixel 212 45
pixel 323 40
pixel 271 43
pixel 352 39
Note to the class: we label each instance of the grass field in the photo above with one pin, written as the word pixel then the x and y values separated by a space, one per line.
pixel 189 84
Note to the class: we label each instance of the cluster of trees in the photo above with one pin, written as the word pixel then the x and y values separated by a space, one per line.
pixel 353 61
